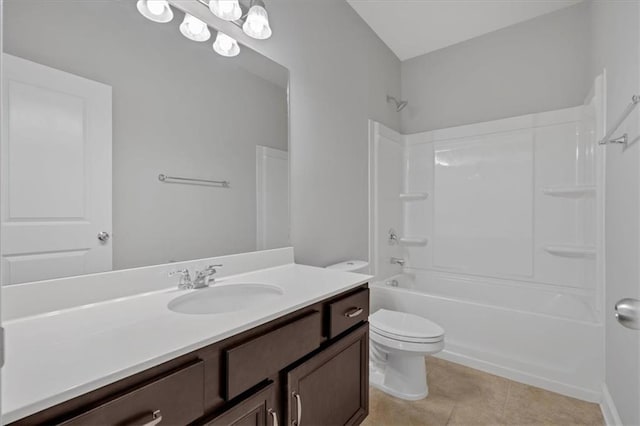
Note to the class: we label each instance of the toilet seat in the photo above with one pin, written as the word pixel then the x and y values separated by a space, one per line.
pixel 405 327
pixel 405 338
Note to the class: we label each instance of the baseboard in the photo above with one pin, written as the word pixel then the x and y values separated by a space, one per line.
pixel 522 377
pixel 609 410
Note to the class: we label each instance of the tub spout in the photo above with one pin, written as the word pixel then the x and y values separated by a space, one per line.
pixel 397 261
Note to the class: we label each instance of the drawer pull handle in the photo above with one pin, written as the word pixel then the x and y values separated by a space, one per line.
pixel 354 312
pixel 274 415
pixel 299 408
pixel 156 417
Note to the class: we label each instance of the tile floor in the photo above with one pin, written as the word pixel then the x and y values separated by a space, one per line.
pixel 460 395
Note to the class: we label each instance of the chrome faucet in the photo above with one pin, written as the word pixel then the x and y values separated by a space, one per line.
pixel 185 279
pixel 205 278
pixel 397 261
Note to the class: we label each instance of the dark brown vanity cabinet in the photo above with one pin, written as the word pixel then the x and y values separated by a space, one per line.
pixel 307 368
pixel 172 399
pixel 256 410
pixel 332 387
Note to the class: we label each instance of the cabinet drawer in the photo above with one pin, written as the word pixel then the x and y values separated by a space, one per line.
pixel 256 360
pixel 176 398
pixel 347 312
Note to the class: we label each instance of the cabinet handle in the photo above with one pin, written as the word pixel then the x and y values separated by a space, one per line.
pixel 354 312
pixel 156 417
pixel 274 415
pixel 299 408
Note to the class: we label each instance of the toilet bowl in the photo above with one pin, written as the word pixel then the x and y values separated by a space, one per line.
pixel 398 345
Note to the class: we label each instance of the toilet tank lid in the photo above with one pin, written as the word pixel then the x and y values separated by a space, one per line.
pixel 350 265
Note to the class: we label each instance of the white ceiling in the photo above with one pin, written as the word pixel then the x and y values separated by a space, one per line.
pixel 415 27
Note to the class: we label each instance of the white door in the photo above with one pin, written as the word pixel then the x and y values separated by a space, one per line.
pixel 272 183
pixel 56 173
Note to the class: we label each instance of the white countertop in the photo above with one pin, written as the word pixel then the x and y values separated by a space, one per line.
pixel 54 357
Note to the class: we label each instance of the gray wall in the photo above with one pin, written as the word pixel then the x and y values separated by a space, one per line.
pixel 615 45
pixel 178 108
pixel 340 75
pixel 538 65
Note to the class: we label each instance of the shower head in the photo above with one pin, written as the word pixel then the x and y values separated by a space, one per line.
pixel 400 105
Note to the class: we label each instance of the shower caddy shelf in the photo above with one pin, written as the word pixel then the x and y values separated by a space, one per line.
pixel 413 242
pixel 413 196
pixel 571 251
pixel 570 191
pixel 405 241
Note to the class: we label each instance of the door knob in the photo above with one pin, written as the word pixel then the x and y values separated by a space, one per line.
pixel 628 313
pixel 103 237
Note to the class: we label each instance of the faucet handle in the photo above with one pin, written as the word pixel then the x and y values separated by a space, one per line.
pixel 184 272
pixel 209 272
pixel 212 268
pixel 185 278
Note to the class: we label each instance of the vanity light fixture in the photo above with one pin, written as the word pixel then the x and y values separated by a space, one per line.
pixel 194 29
pixel 257 23
pixel 225 45
pixel 155 10
pixel 229 10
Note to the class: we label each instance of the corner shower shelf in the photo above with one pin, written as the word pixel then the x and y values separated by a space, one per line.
pixel 570 191
pixel 571 251
pixel 415 242
pixel 413 196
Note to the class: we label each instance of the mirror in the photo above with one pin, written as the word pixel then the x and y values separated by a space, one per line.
pixel 99 102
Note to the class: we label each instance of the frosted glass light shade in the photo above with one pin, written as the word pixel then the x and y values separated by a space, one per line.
pixel 155 10
pixel 225 45
pixel 194 29
pixel 257 23
pixel 229 10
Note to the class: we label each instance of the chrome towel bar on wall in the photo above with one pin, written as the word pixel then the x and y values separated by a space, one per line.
pixel 175 179
pixel 635 99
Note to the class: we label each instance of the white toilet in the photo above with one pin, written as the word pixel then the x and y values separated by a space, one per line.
pixel 398 343
pixel 397 347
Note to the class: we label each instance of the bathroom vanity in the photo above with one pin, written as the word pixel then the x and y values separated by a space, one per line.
pixel 302 359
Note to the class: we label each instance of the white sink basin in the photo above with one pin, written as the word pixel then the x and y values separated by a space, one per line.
pixel 220 299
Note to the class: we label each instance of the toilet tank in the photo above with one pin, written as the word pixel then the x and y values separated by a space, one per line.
pixel 351 266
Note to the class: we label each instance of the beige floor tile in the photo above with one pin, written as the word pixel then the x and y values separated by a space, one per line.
pixel 475 415
pixel 466 386
pixel 479 397
pixel 527 405
pixel 462 396
pixel 385 410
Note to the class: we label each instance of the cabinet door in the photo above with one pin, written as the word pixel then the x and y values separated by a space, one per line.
pixel 332 388
pixel 257 410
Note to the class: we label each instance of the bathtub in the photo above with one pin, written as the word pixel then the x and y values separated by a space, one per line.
pixel 541 338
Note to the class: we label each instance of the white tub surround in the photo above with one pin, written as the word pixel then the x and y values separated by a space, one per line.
pixel 526 343
pixel 64 352
pixel 510 214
